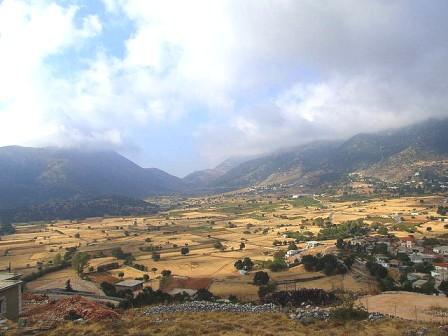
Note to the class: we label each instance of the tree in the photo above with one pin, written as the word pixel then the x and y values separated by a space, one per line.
pixel 77 235
pixel 203 294
pixel 429 228
pixel 118 253
pixel 238 264
pixel 79 261
pixel 155 256
pixel 184 250
pixel 154 269
pixel 247 264
pixel 292 246
pixel 242 246
pixel 145 277
pixel 377 270
pixel 441 210
pixel 57 260
pixel 443 287
pixel 121 274
pixel 340 243
pixel 108 288
pixel 266 289
pixel 68 286
pixel 261 278
pixel 166 273
pixel 309 262
pixel 383 230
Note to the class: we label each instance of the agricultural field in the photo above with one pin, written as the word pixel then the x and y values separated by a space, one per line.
pixel 218 231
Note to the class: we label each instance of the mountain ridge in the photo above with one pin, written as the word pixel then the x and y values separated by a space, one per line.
pixel 38 175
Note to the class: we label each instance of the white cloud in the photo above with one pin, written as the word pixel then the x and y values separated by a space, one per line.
pixel 268 73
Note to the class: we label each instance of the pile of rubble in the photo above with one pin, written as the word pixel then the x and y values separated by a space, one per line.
pixel 67 308
pixel 376 316
pixel 204 306
pixel 309 314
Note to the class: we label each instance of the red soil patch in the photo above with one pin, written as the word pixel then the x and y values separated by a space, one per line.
pixel 56 311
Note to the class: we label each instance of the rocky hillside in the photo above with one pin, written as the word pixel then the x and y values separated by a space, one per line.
pixel 395 151
pixel 38 175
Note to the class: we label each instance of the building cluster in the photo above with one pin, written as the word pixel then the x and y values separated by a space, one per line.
pixel 396 253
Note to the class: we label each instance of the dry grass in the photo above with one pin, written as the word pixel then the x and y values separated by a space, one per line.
pixel 406 305
pixel 231 324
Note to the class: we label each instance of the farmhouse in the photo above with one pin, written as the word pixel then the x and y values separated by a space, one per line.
pixel 443 250
pixel 412 277
pixel 440 271
pixel 10 295
pixel 407 242
pixel 311 244
pixel 418 258
pixel 134 285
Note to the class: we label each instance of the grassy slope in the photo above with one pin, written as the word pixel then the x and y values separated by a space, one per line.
pixel 230 324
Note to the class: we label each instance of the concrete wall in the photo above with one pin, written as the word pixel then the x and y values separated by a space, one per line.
pixel 12 302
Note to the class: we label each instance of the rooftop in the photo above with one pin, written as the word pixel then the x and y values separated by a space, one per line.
pixel 5 284
pixel 443 264
pixel 129 283
pixel 408 238
pixel 9 276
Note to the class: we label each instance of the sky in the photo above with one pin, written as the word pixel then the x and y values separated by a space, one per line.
pixel 183 85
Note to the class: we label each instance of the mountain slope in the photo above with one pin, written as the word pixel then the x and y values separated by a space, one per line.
pixel 37 175
pixel 320 162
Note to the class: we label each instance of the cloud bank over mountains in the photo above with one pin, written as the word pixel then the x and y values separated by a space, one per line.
pixel 231 77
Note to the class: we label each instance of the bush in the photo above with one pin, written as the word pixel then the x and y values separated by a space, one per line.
pixel 108 288
pixel 218 245
pixel 155 256
pixel 203 294
pixel 278 265
pixel 444 287
pixel 261 278
pixel 266 289
pixel 376 270
pixel 314 296
pixel 184 250
pixel 348 312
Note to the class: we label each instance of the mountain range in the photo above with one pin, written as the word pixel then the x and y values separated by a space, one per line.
pixel 37 175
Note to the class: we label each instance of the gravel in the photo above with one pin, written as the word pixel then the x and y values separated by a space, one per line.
pixel 204 306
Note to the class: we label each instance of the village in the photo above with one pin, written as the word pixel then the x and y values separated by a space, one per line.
pixel 235 247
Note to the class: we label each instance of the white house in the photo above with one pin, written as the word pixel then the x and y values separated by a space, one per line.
pixel 443 250
pixel 311 244
pixel 440 272
pixel 290 253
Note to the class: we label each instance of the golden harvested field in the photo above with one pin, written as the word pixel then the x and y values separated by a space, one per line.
pixel 58 280
pixel 409 306
pixel 228 219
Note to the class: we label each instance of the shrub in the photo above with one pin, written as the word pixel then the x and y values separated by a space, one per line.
pixel 261 278
pixel 349 312
pixel 108 288
pixel 266 289
pixel 203 294
pixel 155 256
pixel 314 296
